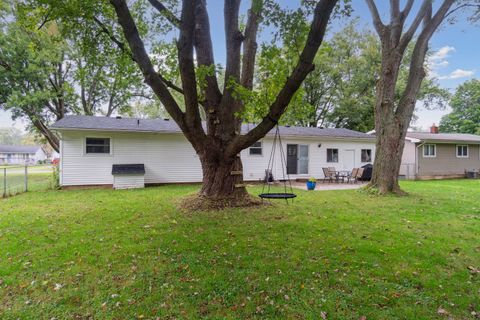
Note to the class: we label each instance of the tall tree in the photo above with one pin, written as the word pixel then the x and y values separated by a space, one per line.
pixel 33 77
pixel 219 145
pixel 340 91
pixel 392 118
pixel 465 115
pixel 219 142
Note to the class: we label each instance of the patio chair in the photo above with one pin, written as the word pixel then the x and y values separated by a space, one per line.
pixel 328 175
pixel 352 175
pixel 359 174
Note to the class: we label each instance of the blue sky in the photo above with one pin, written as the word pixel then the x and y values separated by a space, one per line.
pixel 456 59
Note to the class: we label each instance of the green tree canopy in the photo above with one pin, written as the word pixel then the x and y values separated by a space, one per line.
pixel 465 115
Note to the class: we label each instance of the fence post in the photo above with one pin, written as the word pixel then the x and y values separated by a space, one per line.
pixel 26 178
pixel 4 182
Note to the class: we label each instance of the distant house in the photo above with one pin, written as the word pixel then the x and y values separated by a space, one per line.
pixel 21 154
pixel 429 155
pixel 103 151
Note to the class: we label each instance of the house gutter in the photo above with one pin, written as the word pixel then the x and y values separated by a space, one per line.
pixel 416 157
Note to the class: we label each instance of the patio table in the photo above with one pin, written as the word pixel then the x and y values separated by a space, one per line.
pixel 341 174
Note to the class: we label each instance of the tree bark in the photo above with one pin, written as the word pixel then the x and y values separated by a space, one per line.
pixel 223 178
pixel 393 116
pixel 219 147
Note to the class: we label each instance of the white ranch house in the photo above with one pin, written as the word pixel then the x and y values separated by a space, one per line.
pixel 21 155
pixel 157 152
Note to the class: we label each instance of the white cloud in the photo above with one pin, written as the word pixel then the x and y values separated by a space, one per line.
pixel 438 60
pixel 442 53
pixel 457 74
pixel 460 73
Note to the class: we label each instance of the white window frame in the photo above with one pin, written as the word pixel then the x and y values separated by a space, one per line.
pixel 434 148
pixel 338 155
pixel 97 154
pixel 371 156
pixel 252 147
pixel 462 145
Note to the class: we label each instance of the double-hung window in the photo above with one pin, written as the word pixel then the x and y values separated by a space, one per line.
pixel 429 151
pixel 256 149
pixel 97 146
pixel 366 155
pixel 332 155
pixel 462 151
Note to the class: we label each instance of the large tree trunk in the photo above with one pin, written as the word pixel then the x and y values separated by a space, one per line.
pixel 388 156
pixel 223 179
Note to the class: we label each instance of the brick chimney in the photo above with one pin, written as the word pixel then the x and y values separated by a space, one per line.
pixel 433 128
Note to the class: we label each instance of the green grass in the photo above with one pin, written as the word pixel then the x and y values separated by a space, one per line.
pixel 39 178
pixel 130 254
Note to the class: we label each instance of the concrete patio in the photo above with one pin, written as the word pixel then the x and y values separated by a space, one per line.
pixel 330 186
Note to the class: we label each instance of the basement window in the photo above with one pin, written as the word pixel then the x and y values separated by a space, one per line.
pixel 462 151
pixel 429 151
pixel 256 149
pixel 97 146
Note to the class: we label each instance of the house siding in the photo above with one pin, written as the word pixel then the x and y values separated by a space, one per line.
pixel 446 163
pixel 128 181
pixel 408 167
pixel 169 158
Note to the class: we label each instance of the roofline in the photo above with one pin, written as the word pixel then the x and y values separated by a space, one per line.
pixel 177 132
pixel 451 141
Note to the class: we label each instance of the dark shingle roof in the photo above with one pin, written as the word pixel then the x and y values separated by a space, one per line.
pixel 18 149
pixel 128 168
pixel 444 137
pixel 169 126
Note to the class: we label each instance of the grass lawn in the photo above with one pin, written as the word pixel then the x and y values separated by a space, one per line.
pixel 107 254
pixel 39 178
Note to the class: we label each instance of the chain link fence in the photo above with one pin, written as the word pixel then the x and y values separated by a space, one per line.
pixel 19 179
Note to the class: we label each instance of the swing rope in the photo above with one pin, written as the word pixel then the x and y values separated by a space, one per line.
pixel 269 173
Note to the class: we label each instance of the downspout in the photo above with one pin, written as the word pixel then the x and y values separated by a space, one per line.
pixel 416 158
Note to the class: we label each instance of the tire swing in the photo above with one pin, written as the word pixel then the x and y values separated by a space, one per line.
pixel 269 180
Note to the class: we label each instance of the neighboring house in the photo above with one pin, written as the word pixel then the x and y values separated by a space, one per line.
pixel 91 146
pixel 21 154
pixel 429 155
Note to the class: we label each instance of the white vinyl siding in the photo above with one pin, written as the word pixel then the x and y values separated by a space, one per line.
pixel 169 158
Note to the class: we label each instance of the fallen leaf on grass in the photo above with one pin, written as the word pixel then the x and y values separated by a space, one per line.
pixel 442 312
pixel 473 270
pixel 323 315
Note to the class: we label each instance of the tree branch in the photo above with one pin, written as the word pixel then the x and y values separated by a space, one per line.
pixel 408 35
pixel 187 68
pixel 204 51
pixel 416 71
pixel 140 55
pixel 322 13
pixel 250 45
pixel 165 12
pixel 377 21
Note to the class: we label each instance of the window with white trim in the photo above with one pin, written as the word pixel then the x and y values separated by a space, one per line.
pixel 256 149
pixel 332 155
pixel 429 151
pixel 462 151
pixel 366 155
pixel 97 145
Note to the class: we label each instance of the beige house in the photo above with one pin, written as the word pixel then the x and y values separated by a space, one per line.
pixel 431 155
